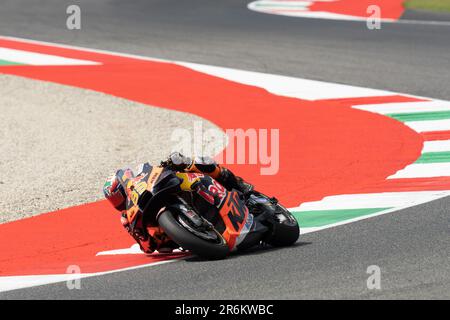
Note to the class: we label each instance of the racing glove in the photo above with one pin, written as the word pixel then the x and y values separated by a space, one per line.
pixel 177 161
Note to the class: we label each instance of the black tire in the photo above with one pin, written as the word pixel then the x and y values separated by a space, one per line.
pixel 285 233
pixel 189 241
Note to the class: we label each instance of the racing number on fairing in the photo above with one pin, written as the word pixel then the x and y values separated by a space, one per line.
pixel 218 190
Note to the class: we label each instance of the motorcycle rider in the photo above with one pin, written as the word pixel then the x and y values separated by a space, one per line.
pixel 153 238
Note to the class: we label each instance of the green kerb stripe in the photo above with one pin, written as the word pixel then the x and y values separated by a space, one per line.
pixel 420 116
pixel 9 63
pixel 434 157
pixel 319 218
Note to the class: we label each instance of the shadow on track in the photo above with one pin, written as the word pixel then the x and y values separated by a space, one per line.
pixel 261 249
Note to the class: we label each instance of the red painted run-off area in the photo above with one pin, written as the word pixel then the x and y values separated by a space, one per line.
pixel 389 9
pixel 325 147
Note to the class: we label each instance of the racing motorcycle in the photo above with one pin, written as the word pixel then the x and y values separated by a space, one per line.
pixel 210 227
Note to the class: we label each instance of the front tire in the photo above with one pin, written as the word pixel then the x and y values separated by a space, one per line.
pixel 285 231
pixel 187 240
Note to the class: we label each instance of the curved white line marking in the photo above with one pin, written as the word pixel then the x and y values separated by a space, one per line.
pixel 288 86
pixel 423 170
pixel 373 200
pixel 40 59
pixel 21 282
pixel 299 9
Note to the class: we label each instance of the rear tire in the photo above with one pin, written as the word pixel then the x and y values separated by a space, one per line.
pixel 189 241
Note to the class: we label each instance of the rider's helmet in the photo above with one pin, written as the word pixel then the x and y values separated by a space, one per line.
pixel 115 193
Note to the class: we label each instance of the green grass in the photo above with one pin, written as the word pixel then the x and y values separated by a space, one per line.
pixel 433 5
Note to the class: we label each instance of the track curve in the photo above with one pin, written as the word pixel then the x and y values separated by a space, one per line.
pixel 410 245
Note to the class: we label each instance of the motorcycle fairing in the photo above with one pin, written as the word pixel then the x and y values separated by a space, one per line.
pixel 236 217
pixel 237 220
pixel 143 196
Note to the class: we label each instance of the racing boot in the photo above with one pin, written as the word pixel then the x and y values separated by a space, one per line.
pixel 230 181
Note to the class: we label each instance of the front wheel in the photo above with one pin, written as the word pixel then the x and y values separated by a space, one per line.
pixel 204 242
pixel 285 230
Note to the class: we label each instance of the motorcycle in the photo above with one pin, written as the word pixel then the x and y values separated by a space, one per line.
pixel 208 226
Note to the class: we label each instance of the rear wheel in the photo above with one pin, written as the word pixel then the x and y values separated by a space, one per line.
pixel 203 240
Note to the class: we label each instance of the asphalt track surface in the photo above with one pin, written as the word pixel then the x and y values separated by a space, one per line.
pixel 410 246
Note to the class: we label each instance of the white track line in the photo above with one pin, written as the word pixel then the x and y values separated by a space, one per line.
pixel 304 12
pixel 21 282
pixel 429 125
pixel 277 84
pixel 372 200
pixel 264 7
pixel 406 107
pixel 423 170
pixel 134 249
pixel 288 86
pixel 422 22
pixel 436 146
pixel 288 4
pixel 40 59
